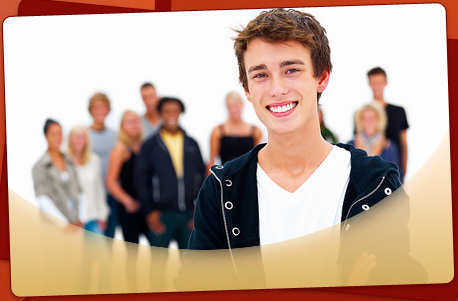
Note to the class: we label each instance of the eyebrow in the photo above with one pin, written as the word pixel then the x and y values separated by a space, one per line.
pixel 257 67
pixel 292 62
pixel 283 64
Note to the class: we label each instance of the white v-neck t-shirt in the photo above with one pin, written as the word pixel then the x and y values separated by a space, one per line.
pixel 315 205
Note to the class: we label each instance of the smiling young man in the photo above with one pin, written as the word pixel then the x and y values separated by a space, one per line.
pixel 297 183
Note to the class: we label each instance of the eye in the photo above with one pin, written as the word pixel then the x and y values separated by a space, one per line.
pixel 259 75
pixel 292 70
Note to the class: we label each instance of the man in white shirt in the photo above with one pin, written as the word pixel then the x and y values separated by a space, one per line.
pixel 297 183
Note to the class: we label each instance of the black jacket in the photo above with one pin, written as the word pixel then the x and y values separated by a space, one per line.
pixel 157 184
pixel 226 213
pixel 226 217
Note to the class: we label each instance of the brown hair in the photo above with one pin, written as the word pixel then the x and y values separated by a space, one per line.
pixel 375 71
pixel 96 97
pixel 280 25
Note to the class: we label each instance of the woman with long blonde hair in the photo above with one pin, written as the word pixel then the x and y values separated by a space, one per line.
pixel 121 185
pixel 120 176
pixel 89 171
pixel 370 122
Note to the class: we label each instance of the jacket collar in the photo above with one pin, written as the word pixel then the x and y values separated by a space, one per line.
pixel 364 170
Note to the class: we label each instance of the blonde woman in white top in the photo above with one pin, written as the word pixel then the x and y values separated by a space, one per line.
pixel 88 167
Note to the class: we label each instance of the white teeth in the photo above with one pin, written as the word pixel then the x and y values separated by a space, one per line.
pixel 282 109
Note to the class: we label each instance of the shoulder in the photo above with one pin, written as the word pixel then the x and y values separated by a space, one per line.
pixel 111 132
pixel 191 144
pixel 152 140
pixel 394 108
pixel 42 162
pixel 216 131
pixel 94 159
pixel 367 169
pixel 239 164
pixel 120 149
pixel 257 131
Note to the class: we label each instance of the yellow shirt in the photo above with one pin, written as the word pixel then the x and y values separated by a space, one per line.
pixel 175 146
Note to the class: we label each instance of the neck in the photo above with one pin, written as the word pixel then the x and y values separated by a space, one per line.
pixel 171 131
pixel 98 126
pixel 370 138
pixel 295 152
pixel 152 116
pixel 380 99
pixel 77 156
pixel 53 152
pixel 135 145
pixel 235 121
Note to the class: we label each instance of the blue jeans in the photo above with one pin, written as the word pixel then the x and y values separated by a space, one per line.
pixel 93 226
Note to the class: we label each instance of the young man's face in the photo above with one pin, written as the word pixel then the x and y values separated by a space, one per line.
pixel 150 98
pixel 377 82
pixel 170 113
pixel 281 85
pixel 99 111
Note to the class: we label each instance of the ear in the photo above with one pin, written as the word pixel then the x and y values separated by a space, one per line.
pixel 323 81
pixel 248 95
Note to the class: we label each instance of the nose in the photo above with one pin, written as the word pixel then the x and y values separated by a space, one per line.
pixel 278 87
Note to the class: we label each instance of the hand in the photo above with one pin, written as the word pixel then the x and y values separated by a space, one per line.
pixel 362 269
pixel 191 224
pixel 70 227
pixel 154 222
pixel 132 206
pixel 102 225
pixel 78 223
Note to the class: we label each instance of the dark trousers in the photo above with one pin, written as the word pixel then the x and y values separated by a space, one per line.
pixel 112 220
pixel 176 228
pixel 132 225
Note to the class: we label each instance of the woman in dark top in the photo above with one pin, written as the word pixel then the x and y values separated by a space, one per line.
pixel 235 137
pixel 120 177
pixel 120 184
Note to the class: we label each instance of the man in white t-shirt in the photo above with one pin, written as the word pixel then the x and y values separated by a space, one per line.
pixel 297 183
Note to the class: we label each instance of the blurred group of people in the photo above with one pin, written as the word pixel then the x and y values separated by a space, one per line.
pixel 144 177
pixel 380 127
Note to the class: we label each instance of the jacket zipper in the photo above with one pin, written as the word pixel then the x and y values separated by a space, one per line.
pixel 226 229
pixel 222 211
pixel 362 198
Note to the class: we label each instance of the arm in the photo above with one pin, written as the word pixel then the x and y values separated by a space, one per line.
pixel 144 188
pixel 117 157
pixel 404 151
pixel 47 205
pixel 214 147
pixel 41 192
pixel 200 170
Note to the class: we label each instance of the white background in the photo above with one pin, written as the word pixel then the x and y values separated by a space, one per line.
pixel 53 65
